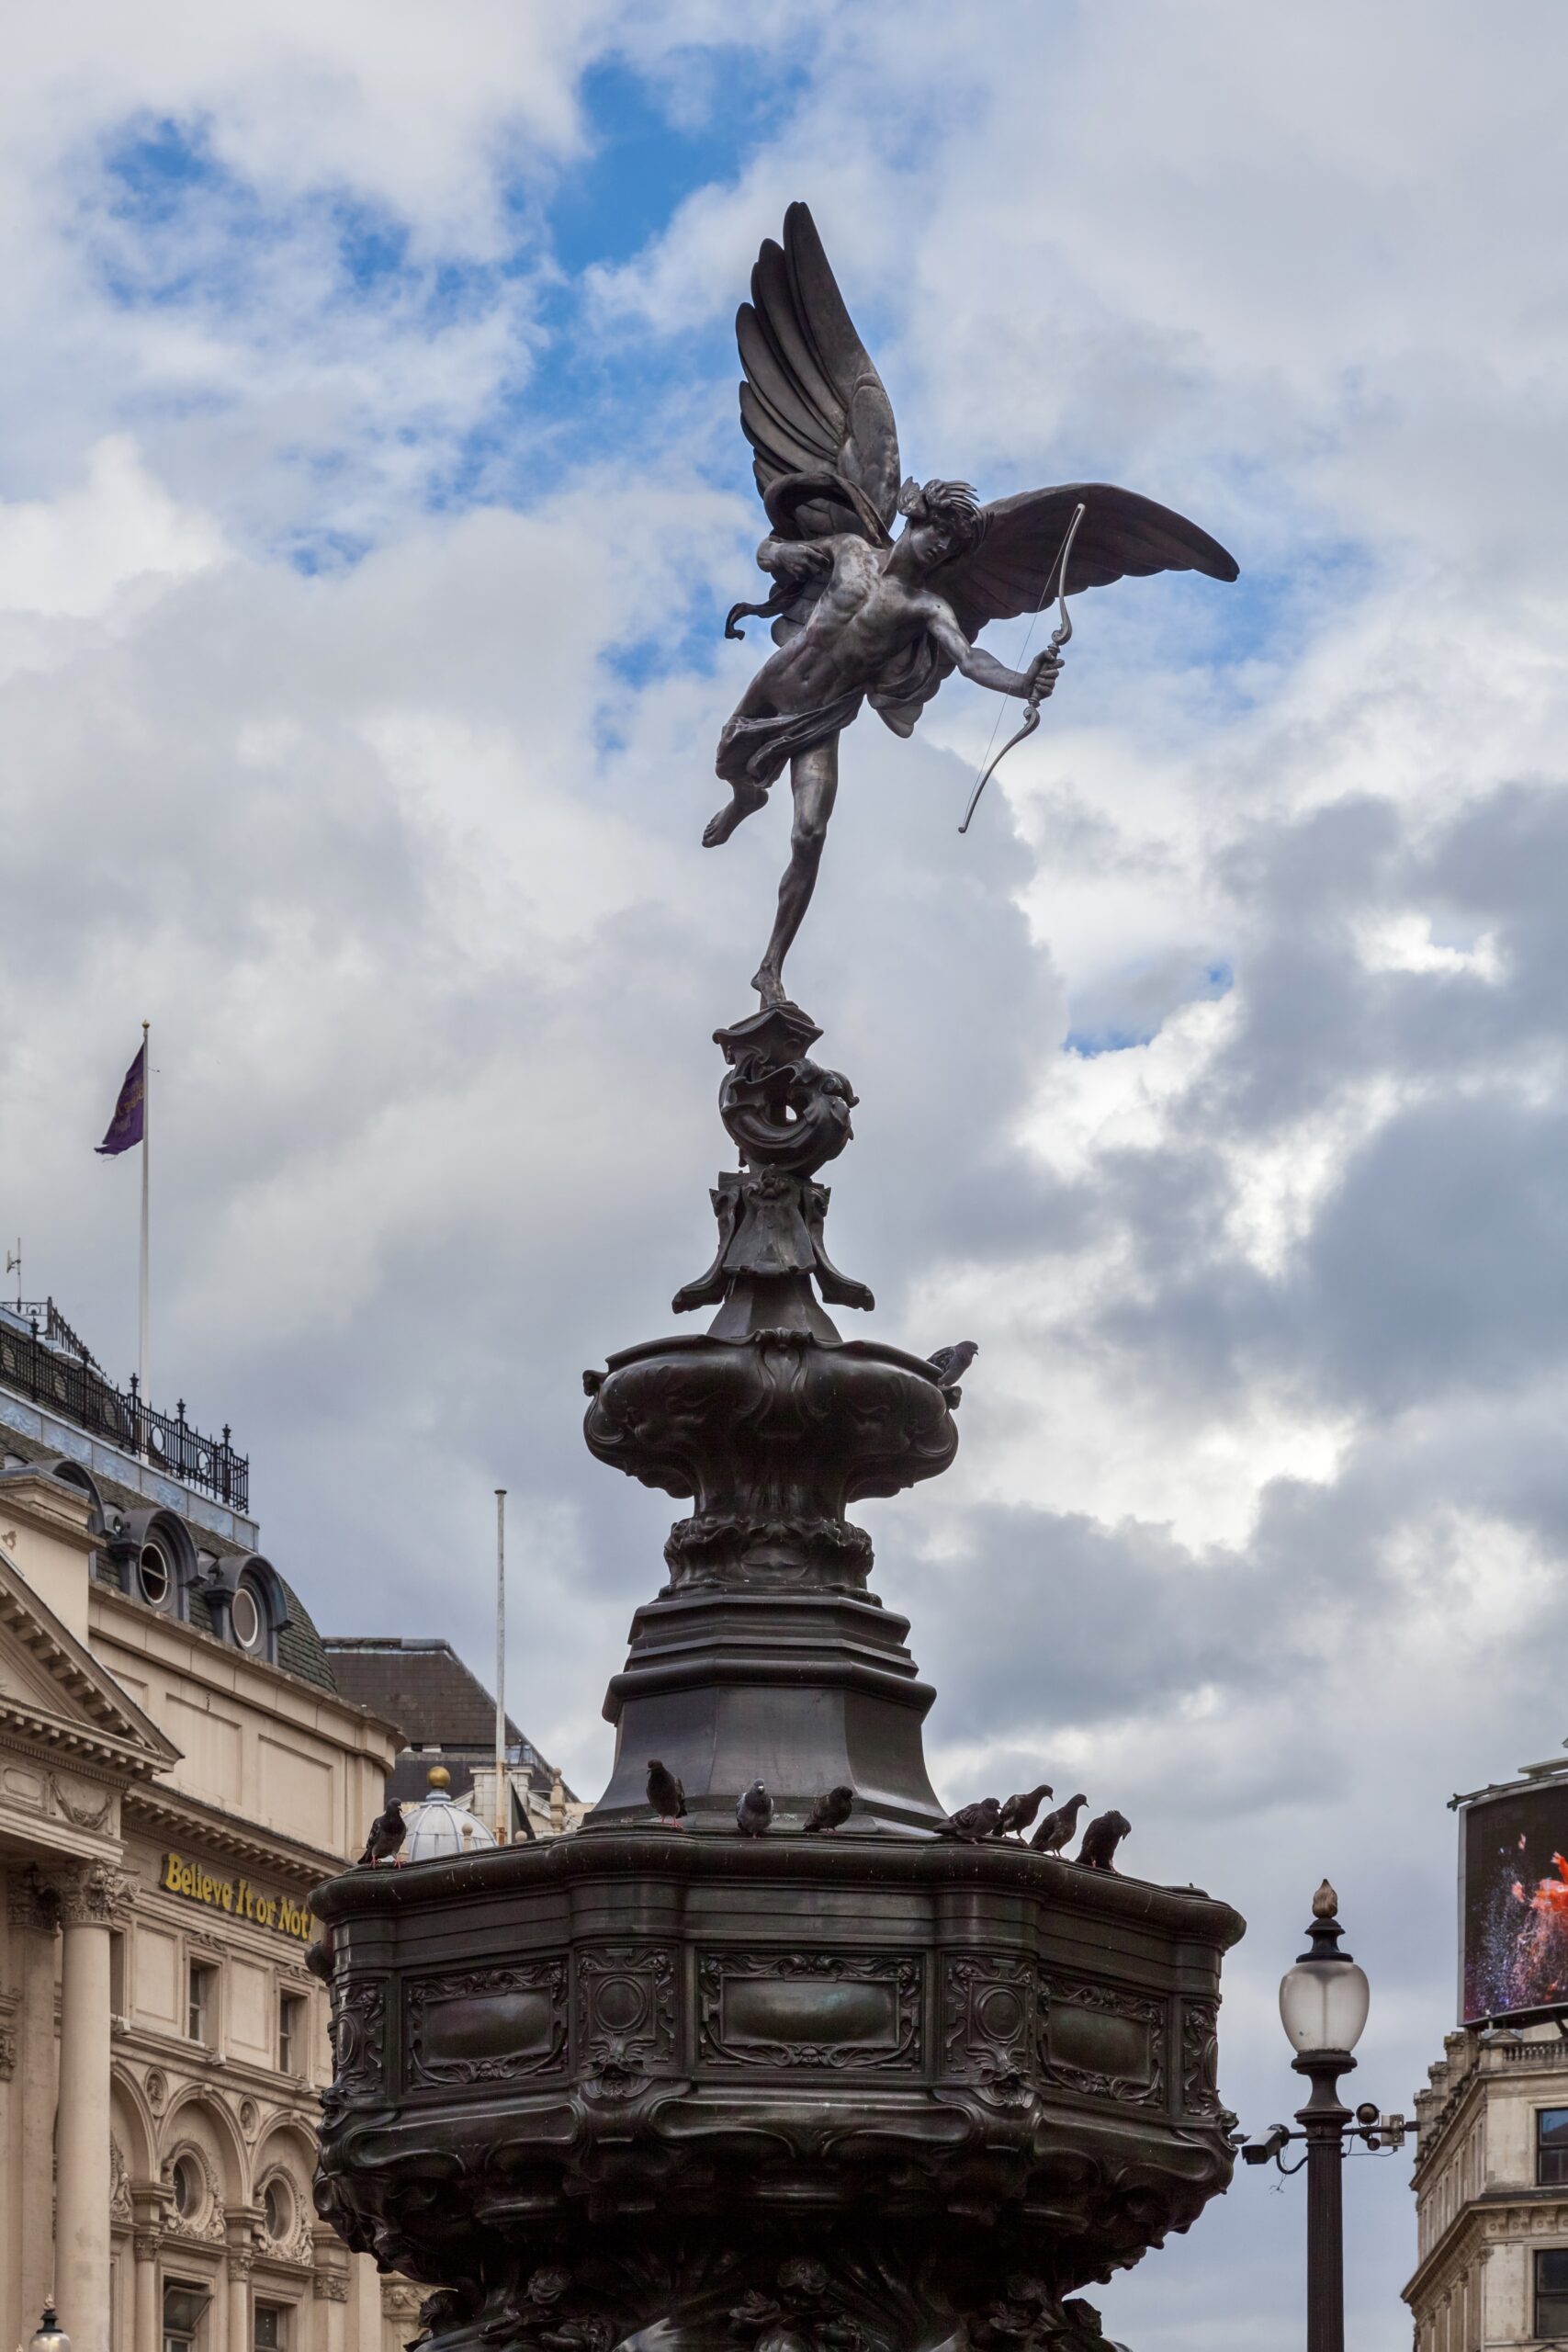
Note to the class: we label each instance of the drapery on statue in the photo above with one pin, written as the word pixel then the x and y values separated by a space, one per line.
pixel 861 614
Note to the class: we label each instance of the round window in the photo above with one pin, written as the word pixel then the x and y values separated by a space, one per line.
pixel 246 1618
pixel 187 2186
pixel 152 1574
pixel 277 2208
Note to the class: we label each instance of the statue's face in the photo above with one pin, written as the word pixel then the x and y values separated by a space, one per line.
pixel 930 544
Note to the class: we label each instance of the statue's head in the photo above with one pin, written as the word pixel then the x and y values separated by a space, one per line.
pixel 945 520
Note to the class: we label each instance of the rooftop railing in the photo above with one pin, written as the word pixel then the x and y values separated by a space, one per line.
pixel 42 1359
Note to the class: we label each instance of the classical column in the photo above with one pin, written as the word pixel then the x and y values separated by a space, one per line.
pixel 34 1911
pixel 239 2300
pixel 87 1898
pixel 332 2299
pixel 145 2317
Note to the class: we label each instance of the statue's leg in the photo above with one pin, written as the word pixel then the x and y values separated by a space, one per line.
pixel 814 781
pixel 744 800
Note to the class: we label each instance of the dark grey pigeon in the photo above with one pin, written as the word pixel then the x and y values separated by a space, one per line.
pixel 387 1834
pixel 665 1793
pixel 1057 1828
pixel 1100 1840
pixel 832 1811
pixel 1019 1812
pixel 952 1364
pixel 754 1811
pixel 972 1822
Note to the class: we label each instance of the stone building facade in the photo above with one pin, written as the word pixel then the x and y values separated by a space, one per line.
pixel 177 1769
pixel 1492 2193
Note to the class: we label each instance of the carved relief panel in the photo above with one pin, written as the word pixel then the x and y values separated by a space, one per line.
pixel 836 2010
pixel 485 2025
pixel 1103 2040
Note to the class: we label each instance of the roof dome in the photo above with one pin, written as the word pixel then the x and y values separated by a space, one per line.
pixel 438 1827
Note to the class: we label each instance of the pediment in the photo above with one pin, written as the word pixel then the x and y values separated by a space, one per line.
pixel 53 1685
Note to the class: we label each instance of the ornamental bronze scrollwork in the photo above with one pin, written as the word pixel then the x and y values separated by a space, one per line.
pixel 625 2016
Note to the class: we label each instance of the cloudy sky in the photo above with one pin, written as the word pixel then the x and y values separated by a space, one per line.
pixel 370 498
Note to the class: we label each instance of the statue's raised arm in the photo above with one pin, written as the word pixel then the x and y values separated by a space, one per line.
pixel 860 615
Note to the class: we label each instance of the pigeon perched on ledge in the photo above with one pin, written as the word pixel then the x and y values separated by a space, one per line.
pixel 831 1812
pixel 665 1793
pixel 387 1834
pixel 950 1364
pixel 1100 1840
pixel 754 1811
pixel 1057 1828
pixel 973 1823
pixel 1019 1812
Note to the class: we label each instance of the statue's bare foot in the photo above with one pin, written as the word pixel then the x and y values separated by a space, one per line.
pixel 745 800
pixel 769 985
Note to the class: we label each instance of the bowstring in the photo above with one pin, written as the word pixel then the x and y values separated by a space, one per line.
pixel 1034 619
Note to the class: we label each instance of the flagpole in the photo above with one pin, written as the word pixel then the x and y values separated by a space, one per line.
pixel 146 1137
pixel 501 1808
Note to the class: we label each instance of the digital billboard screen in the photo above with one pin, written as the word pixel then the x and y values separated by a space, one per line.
pixel 1514 1903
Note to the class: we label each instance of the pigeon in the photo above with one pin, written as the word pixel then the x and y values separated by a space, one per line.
pixel 1100 1840
pixel 832 1811
pixel 387 1834
pixel 972 1822
pixel 1019 1812
pixel 665 1793
pixel 952 1364
pixel 754 1811
pixel 1057 1827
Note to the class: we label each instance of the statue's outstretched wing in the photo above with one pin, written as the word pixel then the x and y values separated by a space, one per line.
pixel 1121 535
pixel 812 402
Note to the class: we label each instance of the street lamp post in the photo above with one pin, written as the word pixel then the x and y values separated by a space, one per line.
pixel 1324 2001
pixel 1322 2007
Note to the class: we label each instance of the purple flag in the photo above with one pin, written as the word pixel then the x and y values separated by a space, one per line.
pixel 125 1128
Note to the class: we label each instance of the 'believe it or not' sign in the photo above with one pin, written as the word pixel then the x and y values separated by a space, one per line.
pixel 236 1897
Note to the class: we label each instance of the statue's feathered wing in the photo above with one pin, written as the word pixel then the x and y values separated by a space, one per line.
pixel 1123 536
pixel 812 406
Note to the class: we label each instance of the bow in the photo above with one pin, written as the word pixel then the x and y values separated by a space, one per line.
pixel 1059 636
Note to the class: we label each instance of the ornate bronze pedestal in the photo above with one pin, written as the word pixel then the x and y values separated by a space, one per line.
pixel 847 2092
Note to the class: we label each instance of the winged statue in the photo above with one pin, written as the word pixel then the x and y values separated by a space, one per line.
pixel 858 614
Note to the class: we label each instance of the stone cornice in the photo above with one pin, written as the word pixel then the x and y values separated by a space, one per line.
pixel 175 1816
pixel 26 1730
pixel 35 1499
pixel 289 2097
pixel 1499 2217
pixel 1462 2244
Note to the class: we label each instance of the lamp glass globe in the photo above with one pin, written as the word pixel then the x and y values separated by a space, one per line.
pixel 1324 2004
pixel 49 2335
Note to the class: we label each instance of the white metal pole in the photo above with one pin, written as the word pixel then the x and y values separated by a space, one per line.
pixel 501 1805
pixel 146 1147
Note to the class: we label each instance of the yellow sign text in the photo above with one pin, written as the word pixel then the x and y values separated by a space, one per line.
pixel 236 1896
